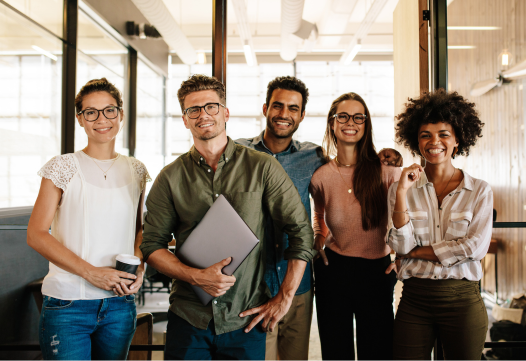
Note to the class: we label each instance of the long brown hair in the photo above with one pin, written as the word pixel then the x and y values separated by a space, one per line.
pixel 367 177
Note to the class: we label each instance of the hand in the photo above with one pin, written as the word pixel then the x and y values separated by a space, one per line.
pixel 392 157
pixel 409 176
pixel 319 245
pixel 271 313
pixel 107 278
pixel 391 267
pixel 212 279
pixel 121 289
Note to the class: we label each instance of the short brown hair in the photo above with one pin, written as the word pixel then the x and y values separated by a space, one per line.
pixel 98 85
pixel 435 107
pixel 199 82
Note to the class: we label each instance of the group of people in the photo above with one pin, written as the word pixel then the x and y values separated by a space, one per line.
pixel 437 219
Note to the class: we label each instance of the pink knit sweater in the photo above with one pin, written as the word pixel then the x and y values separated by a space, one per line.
pixel 337 214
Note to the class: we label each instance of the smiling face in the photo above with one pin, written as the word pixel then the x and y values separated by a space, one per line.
pixel 350 132
pixel 206 126
pixel 283 113
pixel 437 142
pixel 102 130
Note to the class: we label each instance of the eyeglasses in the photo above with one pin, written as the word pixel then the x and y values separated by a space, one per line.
pixel 343 118
pixel 92 115
pixel 210 109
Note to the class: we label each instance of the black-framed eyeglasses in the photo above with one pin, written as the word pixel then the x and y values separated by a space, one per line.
pixel 343 118
pixel 210 109
pixel 92 115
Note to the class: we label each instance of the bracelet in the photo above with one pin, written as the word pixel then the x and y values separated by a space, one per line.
pixel 406 211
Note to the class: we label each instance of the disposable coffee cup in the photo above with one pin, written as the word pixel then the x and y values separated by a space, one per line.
pixel 127 263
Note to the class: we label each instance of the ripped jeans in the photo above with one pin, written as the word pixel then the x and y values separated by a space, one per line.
pixel 87 329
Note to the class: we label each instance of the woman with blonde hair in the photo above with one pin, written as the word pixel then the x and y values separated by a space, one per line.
pixel 353 275
pixel 92 200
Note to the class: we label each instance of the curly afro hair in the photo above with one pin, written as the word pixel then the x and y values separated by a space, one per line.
pixel 435 107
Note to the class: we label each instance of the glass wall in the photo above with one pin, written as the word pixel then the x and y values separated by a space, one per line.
pixel 100 55
pixel 150 120
pixel 30 103
pixel 486 62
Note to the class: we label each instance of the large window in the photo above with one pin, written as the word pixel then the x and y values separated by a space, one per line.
pixel 30 105
pixel 100 55
pixel 150 120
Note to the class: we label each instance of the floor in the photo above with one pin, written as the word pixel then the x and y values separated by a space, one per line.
pixel 158 302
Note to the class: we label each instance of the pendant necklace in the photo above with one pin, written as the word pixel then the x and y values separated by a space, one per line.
pixel 107 170
pixel 344 182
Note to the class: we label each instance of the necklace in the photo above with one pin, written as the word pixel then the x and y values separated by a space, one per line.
pixel 443 190
pixel 344 182
pixel 107 170
pixel 346 165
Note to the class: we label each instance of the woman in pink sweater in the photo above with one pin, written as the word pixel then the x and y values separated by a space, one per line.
pixel 353 274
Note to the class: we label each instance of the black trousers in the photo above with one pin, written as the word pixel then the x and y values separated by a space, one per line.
pixel 354 286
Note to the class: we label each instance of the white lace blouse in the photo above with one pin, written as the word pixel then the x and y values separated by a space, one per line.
pixel 95 218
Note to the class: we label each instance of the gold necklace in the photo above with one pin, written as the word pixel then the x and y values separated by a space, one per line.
pixel 350 189
pixel 443 190
pixel 346 165
pixel 107 170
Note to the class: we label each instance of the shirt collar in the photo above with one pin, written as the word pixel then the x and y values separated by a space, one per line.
pixel 227 154
pixel 467 181
pixel 293 146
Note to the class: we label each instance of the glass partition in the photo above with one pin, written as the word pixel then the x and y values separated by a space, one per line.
pixel 48 13
pixel 30 106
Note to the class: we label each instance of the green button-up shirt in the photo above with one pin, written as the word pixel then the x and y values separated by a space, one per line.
pixel 255 184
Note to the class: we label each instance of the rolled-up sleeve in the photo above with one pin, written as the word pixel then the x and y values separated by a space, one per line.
pixel 161 217
pixel 318 221
pixel 288 212
pixel 474 246
pixel 401 240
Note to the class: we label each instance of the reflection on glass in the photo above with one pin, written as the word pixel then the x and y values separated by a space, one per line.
pixel 100 56
pixel 30 99
pixel 48 13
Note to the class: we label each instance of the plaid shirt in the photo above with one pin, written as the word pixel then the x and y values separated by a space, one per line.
pixel 459 231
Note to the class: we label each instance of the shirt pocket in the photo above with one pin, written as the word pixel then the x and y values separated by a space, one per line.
pixel 458 225
pixel 248 206
pixel 420 222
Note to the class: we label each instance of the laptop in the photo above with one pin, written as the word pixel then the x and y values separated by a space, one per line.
pixel 222 233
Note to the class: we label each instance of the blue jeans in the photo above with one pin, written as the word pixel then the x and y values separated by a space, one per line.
pixel 87 329
pixel 186 342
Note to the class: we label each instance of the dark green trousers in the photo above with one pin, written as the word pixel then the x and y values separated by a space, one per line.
pixel 451 309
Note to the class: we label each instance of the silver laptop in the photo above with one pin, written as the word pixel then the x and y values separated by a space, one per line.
pixel 222 233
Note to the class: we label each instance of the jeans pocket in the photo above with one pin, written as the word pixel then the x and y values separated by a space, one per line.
pixel 51 303
pixel 129 298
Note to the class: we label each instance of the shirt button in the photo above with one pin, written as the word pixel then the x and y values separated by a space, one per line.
pixel 226 158
pixel 275 156
pixel 215 302
pixel 217 195
pixel 279 268
pixel 209 171
pixel 201 158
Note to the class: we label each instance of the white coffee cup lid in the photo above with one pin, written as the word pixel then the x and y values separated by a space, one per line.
pixel 129 259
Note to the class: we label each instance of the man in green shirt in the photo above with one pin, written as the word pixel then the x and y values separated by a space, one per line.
pixel 256 185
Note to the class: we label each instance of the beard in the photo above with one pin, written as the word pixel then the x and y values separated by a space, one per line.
pixel 282 133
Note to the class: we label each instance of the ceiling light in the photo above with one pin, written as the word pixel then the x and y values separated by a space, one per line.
pixel 505 59
pixel 44 52
pixel 248 53
pixel 353 52
pixel 201 58
pixel 473 28
pixel 460 47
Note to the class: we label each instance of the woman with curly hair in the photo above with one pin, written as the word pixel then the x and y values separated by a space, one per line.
pixel 440 226
pixel 353 276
